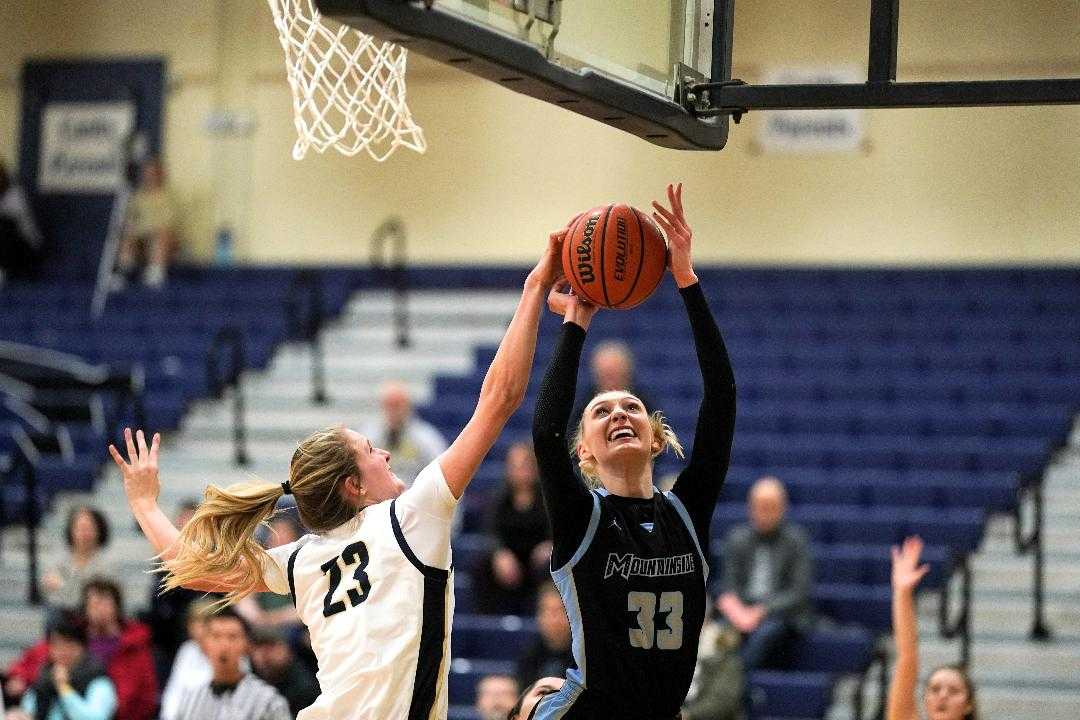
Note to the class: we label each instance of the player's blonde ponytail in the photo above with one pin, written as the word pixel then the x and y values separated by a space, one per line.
pixel 218 543
pixel 660 430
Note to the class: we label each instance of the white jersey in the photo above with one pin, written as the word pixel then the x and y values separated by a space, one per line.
pixel 377 596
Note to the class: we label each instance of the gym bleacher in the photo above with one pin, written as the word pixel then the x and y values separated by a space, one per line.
pixel 161 339
pixel 889 403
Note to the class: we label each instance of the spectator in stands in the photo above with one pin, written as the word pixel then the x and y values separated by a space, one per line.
pixel 72 685
pixel 411 442
pixel 515 522
pixel 495 696
pixel 87 534
pixel 717 690
pixel 191 668
pixel 232 692
pixel 271 610
pixel 949 692
pixel 272 659
pixel 550 655
pixel 612 366
pixel 123 647
pixel 20 239
pixel 150 229
pixel 168 613
pixel 767 571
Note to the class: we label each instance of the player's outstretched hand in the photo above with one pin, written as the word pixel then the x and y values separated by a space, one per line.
pixel 548 269
pixel 679 236
pixel 563 301
pixel 906 570
pixel 140 470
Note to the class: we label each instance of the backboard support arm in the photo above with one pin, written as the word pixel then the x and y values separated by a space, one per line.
pixel 728 97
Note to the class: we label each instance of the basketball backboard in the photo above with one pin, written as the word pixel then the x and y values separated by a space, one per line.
pixel 583 56
pixel 662 70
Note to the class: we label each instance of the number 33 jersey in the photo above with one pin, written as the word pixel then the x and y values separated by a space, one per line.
pixel 377 597
pixel 635 595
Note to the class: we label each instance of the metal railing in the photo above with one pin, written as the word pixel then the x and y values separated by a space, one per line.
pixel 229 337
pixel 107 262
pixel 306 326
pixel 23 462
pixel 961 627
pixel 394 274
pixel 1032 490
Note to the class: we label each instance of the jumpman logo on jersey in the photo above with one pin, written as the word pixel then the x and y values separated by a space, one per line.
pixel 615 524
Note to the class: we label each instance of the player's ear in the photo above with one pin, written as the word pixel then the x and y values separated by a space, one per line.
pixel 352 489
pixel 583 453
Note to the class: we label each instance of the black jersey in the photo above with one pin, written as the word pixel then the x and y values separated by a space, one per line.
pixel 635 596
pixel 631 571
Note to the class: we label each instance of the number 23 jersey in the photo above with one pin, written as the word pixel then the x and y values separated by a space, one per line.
pixel 376 594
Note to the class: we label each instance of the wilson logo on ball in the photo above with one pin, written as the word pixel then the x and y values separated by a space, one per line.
pixel 584 253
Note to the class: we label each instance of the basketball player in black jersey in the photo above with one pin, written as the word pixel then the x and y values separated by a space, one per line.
pixel 628 559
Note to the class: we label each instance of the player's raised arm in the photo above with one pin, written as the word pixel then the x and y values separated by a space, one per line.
pixel 507 378
pixel 142 487
pixel 567 501
pixel 699 483
pixel 230 563
pixel 906 574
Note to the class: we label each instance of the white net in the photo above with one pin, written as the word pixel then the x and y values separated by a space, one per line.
pixel 348 88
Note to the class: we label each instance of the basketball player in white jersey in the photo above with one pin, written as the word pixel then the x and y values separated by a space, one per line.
pixel 374 582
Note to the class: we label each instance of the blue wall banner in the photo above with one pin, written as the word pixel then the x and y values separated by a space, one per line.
pixel 79 117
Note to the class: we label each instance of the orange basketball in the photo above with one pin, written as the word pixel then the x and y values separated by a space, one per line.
pixel 614 256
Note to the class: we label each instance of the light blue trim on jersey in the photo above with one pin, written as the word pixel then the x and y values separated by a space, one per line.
pixel 586 541
pixel 556 705
pixel 564 581
pixel 681 509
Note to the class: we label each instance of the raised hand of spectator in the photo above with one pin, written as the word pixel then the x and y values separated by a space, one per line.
pixel 507 568
pixel 906 571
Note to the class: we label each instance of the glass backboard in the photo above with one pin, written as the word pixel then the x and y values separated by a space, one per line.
pixel 614 60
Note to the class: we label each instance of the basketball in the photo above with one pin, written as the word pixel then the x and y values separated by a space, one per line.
pixel 614 256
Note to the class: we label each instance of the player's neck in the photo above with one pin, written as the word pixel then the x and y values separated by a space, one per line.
pixel 629 480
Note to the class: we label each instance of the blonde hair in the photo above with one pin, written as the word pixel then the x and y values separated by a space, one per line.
pixel 218 543
pixel 660 429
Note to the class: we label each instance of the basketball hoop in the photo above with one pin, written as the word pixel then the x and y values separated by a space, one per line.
pixel 348 88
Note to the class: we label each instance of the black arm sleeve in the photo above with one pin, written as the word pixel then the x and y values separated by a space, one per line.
pixel 567 501
pixel 699 483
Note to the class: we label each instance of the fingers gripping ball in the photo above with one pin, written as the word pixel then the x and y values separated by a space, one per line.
pixel 614 256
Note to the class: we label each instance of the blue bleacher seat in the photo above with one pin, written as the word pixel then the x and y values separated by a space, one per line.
pixel 790 694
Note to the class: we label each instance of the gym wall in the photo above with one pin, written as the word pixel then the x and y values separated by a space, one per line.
pixel 945 186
